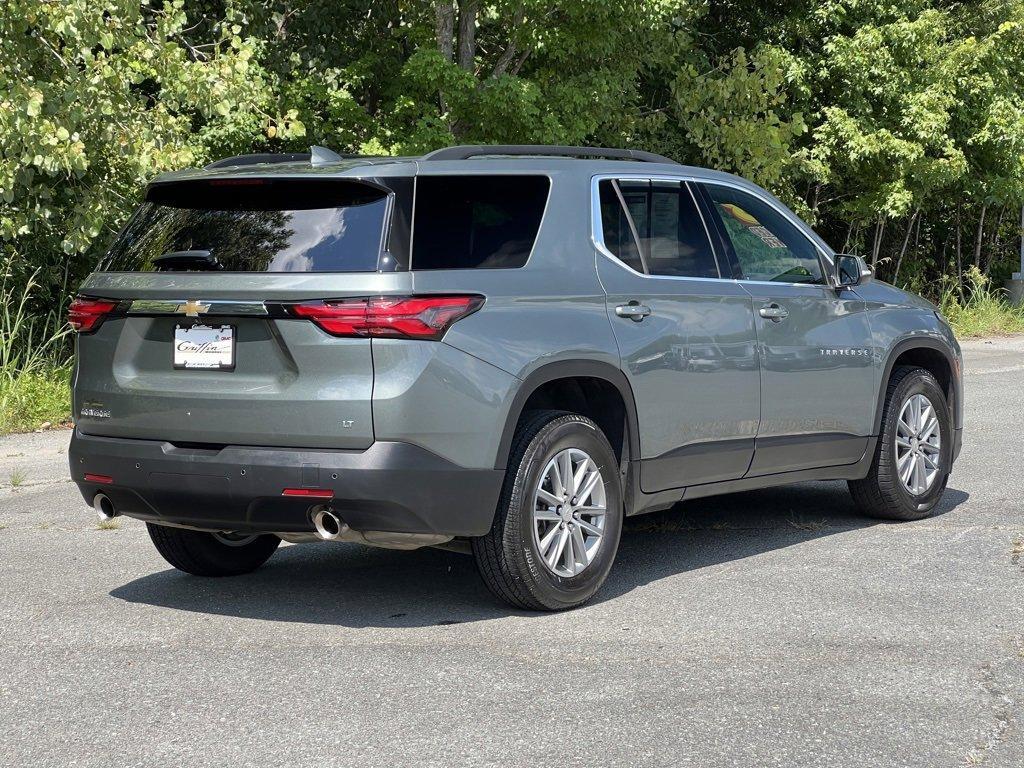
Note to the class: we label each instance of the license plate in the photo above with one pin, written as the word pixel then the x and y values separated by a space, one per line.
pixel 204 347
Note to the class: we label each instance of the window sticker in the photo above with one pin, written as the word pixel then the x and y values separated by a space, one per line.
pixel 752 225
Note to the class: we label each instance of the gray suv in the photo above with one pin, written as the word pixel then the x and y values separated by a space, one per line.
pixel 498 349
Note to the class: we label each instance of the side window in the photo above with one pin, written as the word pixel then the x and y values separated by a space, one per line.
pixel 616 227
pixel 672 237
pixel 476 222
pixel 767 245
pixel 679 243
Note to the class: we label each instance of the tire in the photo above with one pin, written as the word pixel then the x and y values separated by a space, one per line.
pixel 509 556
pixel 208 554
pixel 883 493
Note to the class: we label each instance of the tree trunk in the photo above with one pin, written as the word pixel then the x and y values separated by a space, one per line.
pixel 959 254
pixel 846 243
pixel 509 54
pixel 879 234
pixel 467 34
pixel 917 233
pixel 444 27
pixel 978 236
pixel 906 241
pixel 997 236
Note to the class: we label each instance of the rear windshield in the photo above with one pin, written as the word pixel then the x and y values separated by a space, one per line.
pixel 254 225
pixel 476 222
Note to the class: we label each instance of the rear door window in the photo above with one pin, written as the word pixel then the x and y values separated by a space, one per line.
pixel 477 222
pixel 617 227
pixel 671 236
pixel 254 225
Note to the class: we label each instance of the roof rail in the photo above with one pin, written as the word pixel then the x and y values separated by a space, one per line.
pixel 464 152
pixel 315 156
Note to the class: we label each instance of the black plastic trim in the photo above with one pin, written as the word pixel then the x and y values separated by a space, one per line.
pixel 568 369
pixel 920 342
pixel 697 463
pixel 853 471
pixel 651 502
pixel 787 453
pixel 391 486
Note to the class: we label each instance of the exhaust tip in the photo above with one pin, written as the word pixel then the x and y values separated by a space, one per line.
pixel 104 507
pixel 327 524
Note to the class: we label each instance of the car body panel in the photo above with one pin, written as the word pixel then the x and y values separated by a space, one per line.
pixel 817 378
pixel 440 398
pixel 692 365
pixel 292 385
pixel 901 321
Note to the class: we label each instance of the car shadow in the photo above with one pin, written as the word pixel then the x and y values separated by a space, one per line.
pixel 355 586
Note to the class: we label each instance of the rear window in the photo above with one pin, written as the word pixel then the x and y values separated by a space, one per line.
pixel 254 225
pixel 476 222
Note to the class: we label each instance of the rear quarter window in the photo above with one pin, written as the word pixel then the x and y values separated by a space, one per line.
pixel 476 222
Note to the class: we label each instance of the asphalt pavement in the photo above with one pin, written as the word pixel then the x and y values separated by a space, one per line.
pixel 769 628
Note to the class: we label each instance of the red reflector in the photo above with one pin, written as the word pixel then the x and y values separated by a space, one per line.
pixel 104 479
pixel 316 493
pixel 86 314
pixel 410 317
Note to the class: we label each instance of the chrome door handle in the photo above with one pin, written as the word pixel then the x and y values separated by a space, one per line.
pixel 773 312
pixel 634 311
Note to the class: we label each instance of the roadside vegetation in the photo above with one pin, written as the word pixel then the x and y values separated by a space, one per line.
pixel 896 129
pixel 34 360
pixel 980 310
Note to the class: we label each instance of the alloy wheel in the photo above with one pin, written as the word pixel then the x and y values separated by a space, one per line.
pixel 918 445
pixel 569 512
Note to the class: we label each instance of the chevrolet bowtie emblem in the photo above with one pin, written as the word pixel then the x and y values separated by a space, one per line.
pixel 193 308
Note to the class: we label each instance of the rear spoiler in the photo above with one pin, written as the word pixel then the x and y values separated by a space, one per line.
pixel 316 156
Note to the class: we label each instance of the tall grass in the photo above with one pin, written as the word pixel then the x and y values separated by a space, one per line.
pixel 978 309
pixel 35 362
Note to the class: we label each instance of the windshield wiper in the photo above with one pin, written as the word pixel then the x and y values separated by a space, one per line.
pixel 187 261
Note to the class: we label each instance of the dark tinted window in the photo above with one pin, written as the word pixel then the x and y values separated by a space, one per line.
pixel 254 225
pixel 673 240
pixel 768 246
pixel 615 226
pixel 476 222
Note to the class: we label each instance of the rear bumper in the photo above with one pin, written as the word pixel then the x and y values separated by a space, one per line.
pixel 391 486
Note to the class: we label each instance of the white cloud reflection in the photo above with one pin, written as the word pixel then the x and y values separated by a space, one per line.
pixel 311 228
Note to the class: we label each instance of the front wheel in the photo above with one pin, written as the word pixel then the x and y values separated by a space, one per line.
pixel 557 525
pixel 914 452
pixel 212 554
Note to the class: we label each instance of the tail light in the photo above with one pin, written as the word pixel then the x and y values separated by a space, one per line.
pixel 408 317
pixel 85 314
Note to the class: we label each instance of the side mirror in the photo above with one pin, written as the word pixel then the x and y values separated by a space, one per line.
pixel 851 270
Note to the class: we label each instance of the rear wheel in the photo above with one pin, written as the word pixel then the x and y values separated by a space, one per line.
pixel 212 554
pixel 557 525
pixel 913 455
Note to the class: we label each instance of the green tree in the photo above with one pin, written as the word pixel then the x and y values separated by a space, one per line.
pixel 95 98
